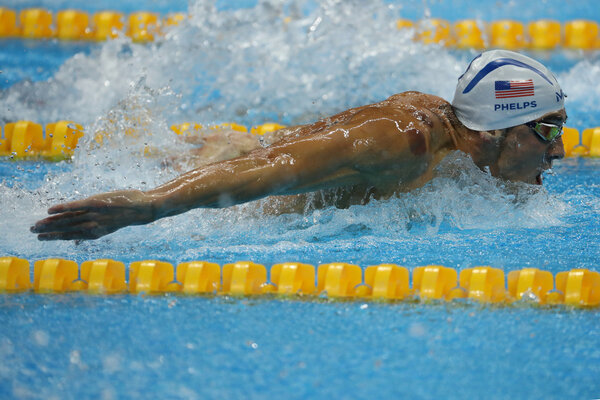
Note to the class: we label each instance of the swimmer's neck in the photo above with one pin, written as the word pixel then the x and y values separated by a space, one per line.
pixel 482 147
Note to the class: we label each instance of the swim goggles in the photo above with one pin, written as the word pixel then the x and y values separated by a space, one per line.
pixel 548 132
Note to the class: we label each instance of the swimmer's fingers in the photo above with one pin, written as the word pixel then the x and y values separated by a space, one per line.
pixel 62 220
pixel 95 216
pixel 84 230
pixel 79 205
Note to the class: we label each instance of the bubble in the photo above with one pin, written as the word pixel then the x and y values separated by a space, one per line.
pixel 417 330
pixel 40 338
pixel 528 295
pixel 108 393
pixel 111 363
pixel 75 357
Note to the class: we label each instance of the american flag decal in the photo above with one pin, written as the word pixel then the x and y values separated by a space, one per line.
pixel 509 89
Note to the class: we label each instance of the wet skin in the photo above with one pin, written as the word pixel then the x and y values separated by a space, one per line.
pixel 371 151
pixel 526 155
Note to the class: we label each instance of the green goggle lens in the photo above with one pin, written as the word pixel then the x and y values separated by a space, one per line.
pixel 548 132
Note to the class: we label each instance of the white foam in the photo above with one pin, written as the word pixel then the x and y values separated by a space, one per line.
pixel 583 92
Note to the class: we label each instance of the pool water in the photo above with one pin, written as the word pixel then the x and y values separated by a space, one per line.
pixel 244 64
pixel 78 346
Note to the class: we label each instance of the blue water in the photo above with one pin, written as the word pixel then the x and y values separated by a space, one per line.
pixel 166 347
pixel 246 66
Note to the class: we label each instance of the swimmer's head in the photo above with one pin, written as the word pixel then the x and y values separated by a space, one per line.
pixel 502 89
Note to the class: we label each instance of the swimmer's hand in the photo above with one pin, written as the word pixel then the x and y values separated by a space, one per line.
pixel 95 216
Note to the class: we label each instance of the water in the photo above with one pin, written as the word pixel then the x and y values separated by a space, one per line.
pixel 192 348
pixel 248 66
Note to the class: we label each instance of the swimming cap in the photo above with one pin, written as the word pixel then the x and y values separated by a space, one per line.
pixel 501 89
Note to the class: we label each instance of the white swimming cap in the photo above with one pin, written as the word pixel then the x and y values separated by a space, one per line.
pixel 501 89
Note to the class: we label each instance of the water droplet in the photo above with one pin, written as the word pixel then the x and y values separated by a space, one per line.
pixel 41 338
pixel 75 357
pixel 111 363
pixel 416 329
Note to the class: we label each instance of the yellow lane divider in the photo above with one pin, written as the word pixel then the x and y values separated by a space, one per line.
pixel 577 287
pixel 38 23
pixel 25 140
pixel 142 26
pixel 585 145
pixel 508 34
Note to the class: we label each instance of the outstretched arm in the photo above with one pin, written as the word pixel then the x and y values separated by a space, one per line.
pixel 341 155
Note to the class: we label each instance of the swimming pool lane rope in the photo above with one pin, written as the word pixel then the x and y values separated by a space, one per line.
pixel 390 282
pixel 143 26
pixel 27 140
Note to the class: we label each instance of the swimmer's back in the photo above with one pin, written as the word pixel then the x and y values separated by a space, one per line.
pixel 399 141
pixel 433 111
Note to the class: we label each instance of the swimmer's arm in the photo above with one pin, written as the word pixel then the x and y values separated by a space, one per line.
pixel 303 165
pixel 362 150
pixel 342 155
pixel 306 164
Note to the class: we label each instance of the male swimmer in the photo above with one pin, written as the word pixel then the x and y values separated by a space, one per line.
pixel 507 114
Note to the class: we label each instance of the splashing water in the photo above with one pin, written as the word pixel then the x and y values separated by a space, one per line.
pixel 249 65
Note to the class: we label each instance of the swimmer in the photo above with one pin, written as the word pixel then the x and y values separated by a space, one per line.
pixel 507 114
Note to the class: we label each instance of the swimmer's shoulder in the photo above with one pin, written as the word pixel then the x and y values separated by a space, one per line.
pixel 434 112
pixel 433 105
pixel 418 99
